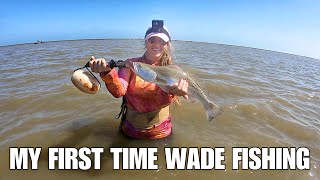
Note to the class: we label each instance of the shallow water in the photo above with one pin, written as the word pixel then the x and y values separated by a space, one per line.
pixel 270 99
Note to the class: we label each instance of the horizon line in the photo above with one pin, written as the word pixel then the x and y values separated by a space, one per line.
pixel 172 40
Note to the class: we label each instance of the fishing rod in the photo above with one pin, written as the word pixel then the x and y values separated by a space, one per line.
pixel 86 82
pixel 112 63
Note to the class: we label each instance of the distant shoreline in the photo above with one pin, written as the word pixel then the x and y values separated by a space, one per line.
pixel 43 42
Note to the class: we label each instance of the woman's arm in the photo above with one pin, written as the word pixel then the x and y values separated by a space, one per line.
pixel 117 82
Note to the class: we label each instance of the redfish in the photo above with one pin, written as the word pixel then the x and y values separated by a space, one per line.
pixel 165 76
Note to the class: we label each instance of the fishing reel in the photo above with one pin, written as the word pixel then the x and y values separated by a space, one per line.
pixel 86 82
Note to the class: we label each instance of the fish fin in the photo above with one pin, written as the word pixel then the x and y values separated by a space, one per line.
pixel 164 88
pixel 193 100
pixel 161 80
pixel 213 111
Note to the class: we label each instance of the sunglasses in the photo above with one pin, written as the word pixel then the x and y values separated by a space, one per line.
pixel 153 40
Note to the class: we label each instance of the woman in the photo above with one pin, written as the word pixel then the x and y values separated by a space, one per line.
pixel 147 106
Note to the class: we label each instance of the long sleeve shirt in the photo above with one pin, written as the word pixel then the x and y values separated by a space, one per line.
pixel 141 96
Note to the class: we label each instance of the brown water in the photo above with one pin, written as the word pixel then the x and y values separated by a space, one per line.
pixel 270 99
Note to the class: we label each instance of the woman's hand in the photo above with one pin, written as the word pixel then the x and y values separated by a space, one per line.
pixel 99 65
pixel 180 88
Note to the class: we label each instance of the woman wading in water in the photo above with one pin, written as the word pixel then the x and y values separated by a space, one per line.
pixel 146 114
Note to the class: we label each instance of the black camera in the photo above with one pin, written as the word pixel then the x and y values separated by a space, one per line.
pixel 157 24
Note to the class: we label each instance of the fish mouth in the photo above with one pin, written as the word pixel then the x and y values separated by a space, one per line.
pixel 129 64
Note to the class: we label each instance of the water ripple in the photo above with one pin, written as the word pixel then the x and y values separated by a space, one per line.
pixel 269 99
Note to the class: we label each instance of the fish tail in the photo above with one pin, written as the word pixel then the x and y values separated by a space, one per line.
pixel 213 111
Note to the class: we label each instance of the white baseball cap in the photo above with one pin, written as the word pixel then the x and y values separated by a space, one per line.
pixel 161 32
